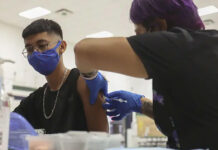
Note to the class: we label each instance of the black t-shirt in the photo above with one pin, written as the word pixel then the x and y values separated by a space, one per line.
pixel 184 67
pixel 68 114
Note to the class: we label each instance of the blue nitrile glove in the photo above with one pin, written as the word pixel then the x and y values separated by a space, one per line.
pixel 95 86
pixel 120 103
pixel 19 128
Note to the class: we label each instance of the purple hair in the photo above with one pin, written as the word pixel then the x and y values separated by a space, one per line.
pixel 180 13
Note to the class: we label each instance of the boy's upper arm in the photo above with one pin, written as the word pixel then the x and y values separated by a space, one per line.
pixel 96 117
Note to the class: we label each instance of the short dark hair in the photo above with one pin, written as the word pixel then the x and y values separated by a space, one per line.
pixel 42 25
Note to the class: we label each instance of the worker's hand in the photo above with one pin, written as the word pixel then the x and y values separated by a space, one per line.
pixel 96 85
pixel 120 103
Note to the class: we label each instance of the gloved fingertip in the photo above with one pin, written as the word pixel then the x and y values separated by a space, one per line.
pixel 111 113
pixel 118 118
pixel 105 106
pixel 107 100
pixel 105 91
pixel 105 94
pixel 114 119
pixel 113 94
pixel 109 95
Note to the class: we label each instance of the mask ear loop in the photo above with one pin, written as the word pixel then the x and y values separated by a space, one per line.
pixel 59 43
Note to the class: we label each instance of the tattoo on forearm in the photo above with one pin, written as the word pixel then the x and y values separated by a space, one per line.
pixel 147 108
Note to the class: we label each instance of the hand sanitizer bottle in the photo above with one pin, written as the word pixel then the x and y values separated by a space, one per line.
pixel 4 118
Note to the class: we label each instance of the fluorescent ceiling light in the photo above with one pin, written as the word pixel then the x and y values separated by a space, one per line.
pixel 34 13
pixel 103 34
pixel 207 10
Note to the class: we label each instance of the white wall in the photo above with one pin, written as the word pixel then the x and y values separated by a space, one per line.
pixel 11 48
